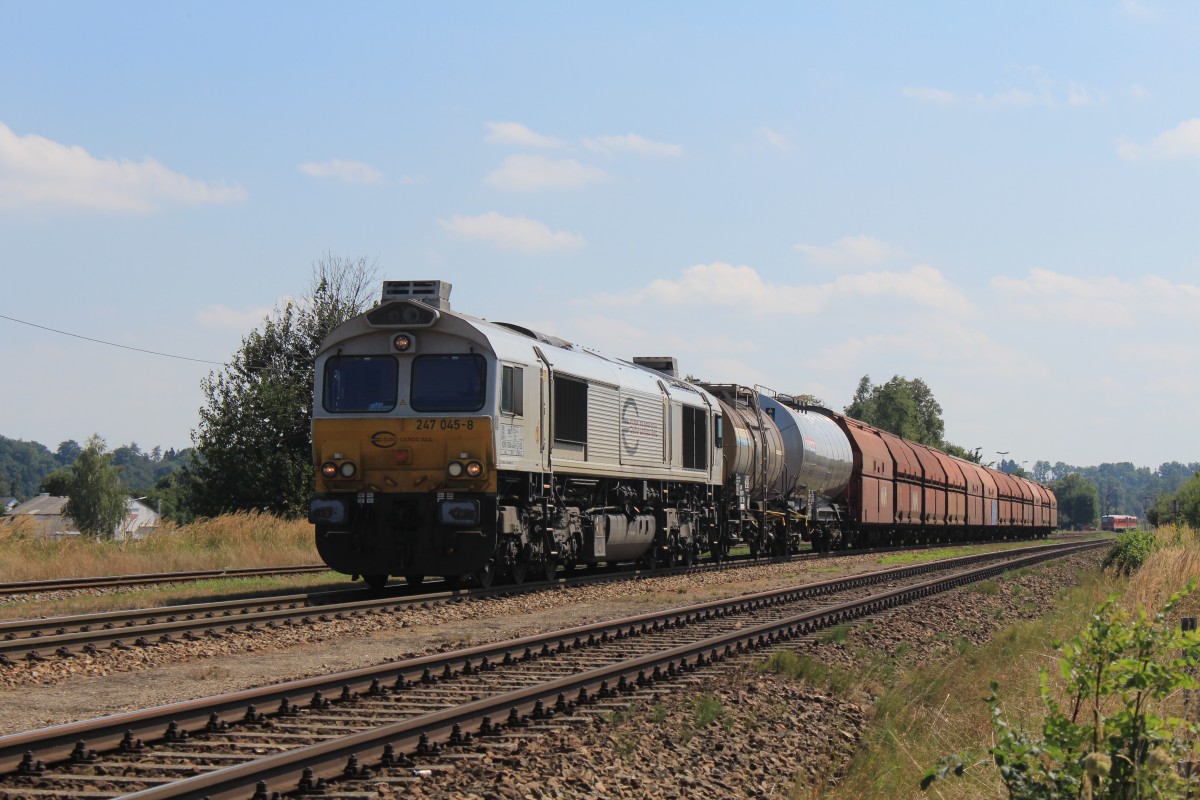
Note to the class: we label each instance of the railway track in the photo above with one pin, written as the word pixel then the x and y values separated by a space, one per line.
pixel 141 579
pixel 378 723
pixel 63 637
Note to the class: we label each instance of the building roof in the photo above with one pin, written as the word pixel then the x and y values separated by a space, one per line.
pixel 42 505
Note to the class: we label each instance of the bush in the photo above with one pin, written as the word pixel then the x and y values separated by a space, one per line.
pixel 1109 743
pixel 1131 551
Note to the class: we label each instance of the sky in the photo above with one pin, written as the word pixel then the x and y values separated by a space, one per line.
pixel 1000 199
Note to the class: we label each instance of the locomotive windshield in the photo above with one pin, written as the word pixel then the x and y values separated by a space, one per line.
pixel 448 382
pixel 360 383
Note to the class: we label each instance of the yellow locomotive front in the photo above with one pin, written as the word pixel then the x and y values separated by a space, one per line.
pixel 403 441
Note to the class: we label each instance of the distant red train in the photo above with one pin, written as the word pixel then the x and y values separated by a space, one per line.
pixel 1118 522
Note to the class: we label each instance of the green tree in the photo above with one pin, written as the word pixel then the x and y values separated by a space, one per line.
pixel 95 497
pixel 57 483
pixel 1109 743
pixel 253 446
pixel 974 456
pixel 902 406
pixel 1181 507
pixel 1077 501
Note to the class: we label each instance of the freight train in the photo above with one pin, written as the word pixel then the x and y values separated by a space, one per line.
pixel 448 445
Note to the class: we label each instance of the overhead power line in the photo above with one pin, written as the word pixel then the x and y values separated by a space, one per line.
pixel 112 344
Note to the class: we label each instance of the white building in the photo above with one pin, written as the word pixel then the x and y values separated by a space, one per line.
pixel 50 515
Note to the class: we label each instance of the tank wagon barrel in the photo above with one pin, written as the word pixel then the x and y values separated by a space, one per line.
pixel 445 444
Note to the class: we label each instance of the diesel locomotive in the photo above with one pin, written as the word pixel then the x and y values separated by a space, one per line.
pixel 448 445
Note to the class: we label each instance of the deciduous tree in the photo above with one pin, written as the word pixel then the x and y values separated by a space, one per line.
pixel 95 496
pixel 902 406
pixel 253 446
pixel 1077 501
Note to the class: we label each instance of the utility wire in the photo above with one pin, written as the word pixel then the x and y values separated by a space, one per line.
pixel 112 344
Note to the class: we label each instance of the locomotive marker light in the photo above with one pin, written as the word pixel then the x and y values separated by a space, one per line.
pixel 403 342
pixel 455 469
pixel 474 469
pixel 329 469
pixel 348 469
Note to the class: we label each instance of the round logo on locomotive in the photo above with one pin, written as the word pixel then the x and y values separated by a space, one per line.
pixel 629 426
pixel 383 439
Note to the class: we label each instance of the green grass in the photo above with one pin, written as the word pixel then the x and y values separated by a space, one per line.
pixel 935 709
pixel 935 553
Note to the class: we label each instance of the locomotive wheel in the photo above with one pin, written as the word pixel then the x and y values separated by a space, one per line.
pixel 518 571
pixel 376 581
pixel 549 569
pixel 688 556
pixel 414 580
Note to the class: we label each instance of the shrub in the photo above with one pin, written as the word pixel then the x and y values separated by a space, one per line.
pixel 1131 551
pixel 1111 743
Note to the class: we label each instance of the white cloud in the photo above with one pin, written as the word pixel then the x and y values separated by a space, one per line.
pixel 514 133
pixel 1182 141
pixel 39 172
pixel 1102 301
pixel 511 233
pixel 534 173
pixel 345 171
pixel 632 143
pixel 934 339
pixel 775 139
pixel 724 285
pixel 850 251
pixel 1035 88
pixel 1134 8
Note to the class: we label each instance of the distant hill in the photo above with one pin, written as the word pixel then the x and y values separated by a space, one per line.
pixel 24 465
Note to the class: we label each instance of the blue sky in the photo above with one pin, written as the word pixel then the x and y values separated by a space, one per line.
pixel 1000 199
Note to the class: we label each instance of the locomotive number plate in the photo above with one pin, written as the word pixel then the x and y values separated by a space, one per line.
pixel 445 424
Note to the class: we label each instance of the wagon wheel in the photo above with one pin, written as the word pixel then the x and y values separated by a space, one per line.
pixel 414 580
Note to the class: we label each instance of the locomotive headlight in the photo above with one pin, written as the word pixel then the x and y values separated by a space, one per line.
pixel 403 342
pixel 455 469
pixel 329 469
pixel 474 469
pixel 348 469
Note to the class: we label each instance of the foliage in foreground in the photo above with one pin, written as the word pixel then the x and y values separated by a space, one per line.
pixel 1111 743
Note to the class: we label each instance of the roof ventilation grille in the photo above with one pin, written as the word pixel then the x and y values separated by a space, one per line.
pixel 432 293
pixel 667 365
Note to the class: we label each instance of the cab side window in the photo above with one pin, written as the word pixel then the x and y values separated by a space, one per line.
pixel 512 390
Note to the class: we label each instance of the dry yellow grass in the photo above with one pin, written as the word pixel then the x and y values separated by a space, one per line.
pixel 1168 570
pixel 244 539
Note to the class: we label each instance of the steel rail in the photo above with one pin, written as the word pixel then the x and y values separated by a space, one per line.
pixel 62 584
pixel 57 743
pixel 63 637
pixel 349 756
